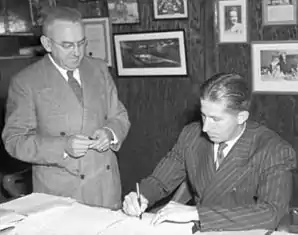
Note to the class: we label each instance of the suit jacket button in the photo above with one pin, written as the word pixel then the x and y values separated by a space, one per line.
pixel 82 177
pixel 62 133
pixel 108 167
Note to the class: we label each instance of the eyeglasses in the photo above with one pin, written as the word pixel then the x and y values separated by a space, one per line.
pixel 70 45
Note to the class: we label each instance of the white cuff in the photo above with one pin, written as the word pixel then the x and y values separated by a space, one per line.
pixel 115 139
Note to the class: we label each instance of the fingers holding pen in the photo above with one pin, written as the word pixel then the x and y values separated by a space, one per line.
pixel 131 204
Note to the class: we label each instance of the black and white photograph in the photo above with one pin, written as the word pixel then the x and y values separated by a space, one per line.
pixel 170 9
pixel 275 66
pixel 39 10
pixel 93 8
pixel 151 54
pixel 123 11
pixel 232 21
pixel 279 12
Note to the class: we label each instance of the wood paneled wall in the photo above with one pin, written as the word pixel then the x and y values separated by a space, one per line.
pixel 278 112
pixel 159 107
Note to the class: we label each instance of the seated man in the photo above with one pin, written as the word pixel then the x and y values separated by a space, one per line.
pixel 239 171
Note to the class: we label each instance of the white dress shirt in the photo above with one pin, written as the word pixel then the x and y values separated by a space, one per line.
pixel 227 149
pixel 76 75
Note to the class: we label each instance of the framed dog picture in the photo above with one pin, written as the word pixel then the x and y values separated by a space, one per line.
pixel 275 66
pixel 232 21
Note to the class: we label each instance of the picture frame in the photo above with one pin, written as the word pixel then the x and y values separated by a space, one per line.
pixel 232 21
pixel 92 8
pixel 275 66
pixel 168 9
pixel 98 34
pixel 279 12
pixel 38 10
pixel 124 11
pixel 151 53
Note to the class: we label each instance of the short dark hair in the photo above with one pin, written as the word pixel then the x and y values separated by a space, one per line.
pixel 230 88
pixel 60 13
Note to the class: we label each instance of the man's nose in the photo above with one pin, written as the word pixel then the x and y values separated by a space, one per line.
pixel 76 50
pixel 206 125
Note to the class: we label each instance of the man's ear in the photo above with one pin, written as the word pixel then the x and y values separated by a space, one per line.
pixel 242 117
pixel 46 43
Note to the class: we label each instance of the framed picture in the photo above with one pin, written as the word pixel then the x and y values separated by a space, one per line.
pixel 92 8
pixel 276 12
pixel 275 66
pixel 124 11
pixel 98 34
pixel 151 54
pixel 232 21
pixel 170 9
pixel 38 10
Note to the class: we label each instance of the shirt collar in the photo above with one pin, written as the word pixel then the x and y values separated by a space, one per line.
pixel 63 71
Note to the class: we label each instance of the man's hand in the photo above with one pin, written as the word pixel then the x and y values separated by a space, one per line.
pixel 101 140
pixel 77 145
pixel 176 212
pixel 131 205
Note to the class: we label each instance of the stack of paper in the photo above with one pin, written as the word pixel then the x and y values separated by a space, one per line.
pixel 36 202
pixel 9 219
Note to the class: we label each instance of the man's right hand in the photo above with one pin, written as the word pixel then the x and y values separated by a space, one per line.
pixel 77 145
pixel 131 205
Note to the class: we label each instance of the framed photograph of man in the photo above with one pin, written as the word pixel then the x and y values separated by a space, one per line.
pixel 151 53
pixel 124 11
pixel 232 21
pixel 275 66
pixel 279 12
pixel 170 9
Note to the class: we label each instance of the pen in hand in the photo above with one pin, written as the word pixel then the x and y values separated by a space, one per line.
pixel 139 198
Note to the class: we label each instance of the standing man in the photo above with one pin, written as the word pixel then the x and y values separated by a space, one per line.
pixel 63 116
pixel 239 171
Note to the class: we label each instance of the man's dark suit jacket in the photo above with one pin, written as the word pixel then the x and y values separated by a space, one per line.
pixel 250 190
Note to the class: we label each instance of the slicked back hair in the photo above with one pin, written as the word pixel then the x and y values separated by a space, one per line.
pixel 229 88
pixel 60 13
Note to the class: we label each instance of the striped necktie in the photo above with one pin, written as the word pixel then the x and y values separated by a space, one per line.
pixel 220 153
pixel 75 86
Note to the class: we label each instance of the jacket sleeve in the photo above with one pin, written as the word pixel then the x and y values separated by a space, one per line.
pixel 117 119
pixel 272 196
pixel 20 133
pixel 170 171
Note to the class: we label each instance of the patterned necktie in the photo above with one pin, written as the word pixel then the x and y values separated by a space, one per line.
pixel 75 86
pixel 220 154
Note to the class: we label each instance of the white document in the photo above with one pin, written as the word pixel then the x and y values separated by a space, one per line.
pixel 9 219
pixel 36 202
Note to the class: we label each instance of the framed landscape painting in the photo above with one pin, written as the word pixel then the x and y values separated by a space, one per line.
pixel 275 66
pixel 151 54
pixel 124 11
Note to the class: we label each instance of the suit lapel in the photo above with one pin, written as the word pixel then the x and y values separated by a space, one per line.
pixel 203 166
pixel 233 169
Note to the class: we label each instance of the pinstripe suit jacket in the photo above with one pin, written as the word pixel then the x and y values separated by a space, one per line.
pixel 250 190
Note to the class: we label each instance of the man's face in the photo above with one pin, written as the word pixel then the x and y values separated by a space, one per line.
pixel 66 44
pixel 233 17
pixel 219 124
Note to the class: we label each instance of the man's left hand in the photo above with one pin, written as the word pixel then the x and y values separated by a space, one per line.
pixel 102 139
pixel 176 212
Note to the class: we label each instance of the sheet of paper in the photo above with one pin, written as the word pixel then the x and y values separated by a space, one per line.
pixel 36 202
pixel 75 220
pixel 9 219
